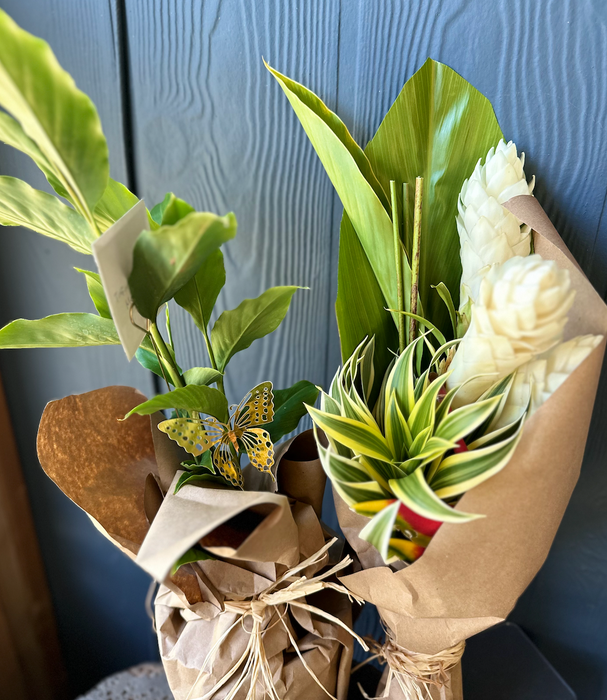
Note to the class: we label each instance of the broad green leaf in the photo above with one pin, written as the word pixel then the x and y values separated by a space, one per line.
pixel 235 330
pixel 13 135
pixel 463 471
pixel 415 493
pixel 192 555
pixel 199 399
pixel 463 421
pixel 290 408
pixel 114 203
pixel 170 210
pixel 202 376
pixel 96 292
pixel 348 169
pixel 437 128
pixel 166 259
pixel 147 358
pixel 22 205
pixel 199 295
pixel 59 331
pixel 61 120
pixel 359 437
pixel 378 530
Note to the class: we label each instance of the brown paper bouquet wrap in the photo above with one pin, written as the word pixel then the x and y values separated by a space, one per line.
pixel 267 605
pixel 470 576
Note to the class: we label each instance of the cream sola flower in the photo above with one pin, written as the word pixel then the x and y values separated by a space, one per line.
pixel 488 232
pixel 520 313
pixel 535 382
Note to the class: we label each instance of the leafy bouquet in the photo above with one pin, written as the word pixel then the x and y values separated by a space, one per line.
pixel 472 344
pixel 248 601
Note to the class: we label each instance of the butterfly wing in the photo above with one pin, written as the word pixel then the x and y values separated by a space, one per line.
pixel 195 436
pixel 257 408
pixel 225 463
pixel 259 448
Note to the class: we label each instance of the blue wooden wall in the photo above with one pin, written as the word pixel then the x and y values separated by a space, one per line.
pixel 187 106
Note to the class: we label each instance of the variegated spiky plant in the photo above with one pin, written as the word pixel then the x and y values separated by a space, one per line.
pixel 406 461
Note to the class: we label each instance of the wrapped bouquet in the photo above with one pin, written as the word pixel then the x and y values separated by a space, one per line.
pixel 249 605
pixel 472 345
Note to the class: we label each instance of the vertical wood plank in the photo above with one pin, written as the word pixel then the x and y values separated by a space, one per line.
pixel 98 593
pixel 212 125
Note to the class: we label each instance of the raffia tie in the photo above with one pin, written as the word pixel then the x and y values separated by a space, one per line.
pixel 415 673
pixel 253 665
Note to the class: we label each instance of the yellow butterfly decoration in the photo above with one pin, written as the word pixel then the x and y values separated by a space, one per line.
pixel 199 435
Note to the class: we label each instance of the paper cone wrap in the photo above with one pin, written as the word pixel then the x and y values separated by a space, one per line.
pixel 471 575
pixel 123 474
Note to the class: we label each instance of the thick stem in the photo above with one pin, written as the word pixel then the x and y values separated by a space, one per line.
pixel 166 356
pixel 398 259
pixel 417 233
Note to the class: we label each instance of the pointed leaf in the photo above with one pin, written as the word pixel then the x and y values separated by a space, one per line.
pixel 235 330
pixel 290 408
pixel 61 120
pixel 202 376
pixel 199 295
pixel 59 331
pixel 114 203
pixel 170 210
pixel 192 555
pixel 463 421
pixel 199 399
pixel 166 259
pixel 22 205
pixel 96 292
pixel 378 530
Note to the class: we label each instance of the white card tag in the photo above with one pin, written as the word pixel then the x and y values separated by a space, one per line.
pixel 113 253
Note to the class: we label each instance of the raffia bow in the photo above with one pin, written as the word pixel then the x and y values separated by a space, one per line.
pixel 415 673
pixel 253 663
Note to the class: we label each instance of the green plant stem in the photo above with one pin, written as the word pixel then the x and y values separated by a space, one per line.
pixel 166 356
pixel 417 233
pixel 398 259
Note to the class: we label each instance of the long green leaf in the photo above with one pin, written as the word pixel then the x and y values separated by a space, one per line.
pixel 290 407
pixel 61 120
pixel 22 205
pixel 463 421
pixel 359 437
pixel 415 493
pixel 59 331
pixel 166 259
pixel 199 295
pixel 437 128
pixel 96 292
pixel 114 203
pixel 202 376
pixel 235 330
pixel 201 399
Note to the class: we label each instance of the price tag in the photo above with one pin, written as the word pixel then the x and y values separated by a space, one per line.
pixel 113 253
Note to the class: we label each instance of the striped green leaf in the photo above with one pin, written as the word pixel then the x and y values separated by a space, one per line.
pixel 463 421
pixel 378 530
pixel 397 431
pixel 401 380
pixel 415 493
pixel 359 437
pixel 424 411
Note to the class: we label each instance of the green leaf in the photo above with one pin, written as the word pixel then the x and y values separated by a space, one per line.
pixel 289 408
pixel 401 380
pixel 437 128
pixel 199 399
pixel 349 171
pixel 235 330
pixel 61 120
pixel 202 376
pixel 192 555
pixel 170 210
pixel 59 331
pixel 22 205
pixel 114 204
pixel 359 437
pixel 445 295
pixel 415 493
pixel 166 259
pixel 422 416
pixel 13 135
pixel 96 292
pixel 397 431
pixel 378 530
pixel 463 471
pixel 146 356
pixel 463 421
pixel 199 295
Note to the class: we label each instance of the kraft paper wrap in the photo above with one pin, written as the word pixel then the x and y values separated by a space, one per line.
pixel 122 474
pixel 470 576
